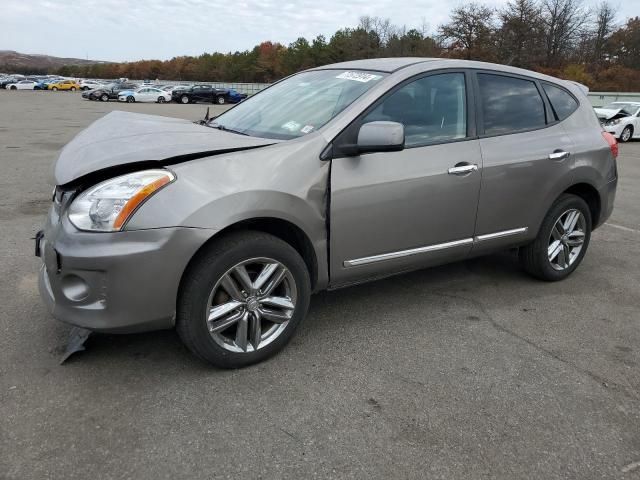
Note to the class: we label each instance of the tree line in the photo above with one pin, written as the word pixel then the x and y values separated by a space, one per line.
pixel 563 38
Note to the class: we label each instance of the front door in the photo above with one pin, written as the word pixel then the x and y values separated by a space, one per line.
pixel 395 211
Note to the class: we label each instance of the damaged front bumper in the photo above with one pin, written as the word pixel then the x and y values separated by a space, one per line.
pixel 615 130
pixel 120 282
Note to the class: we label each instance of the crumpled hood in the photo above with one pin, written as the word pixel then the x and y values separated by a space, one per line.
pixel 608 113
pixel 121 138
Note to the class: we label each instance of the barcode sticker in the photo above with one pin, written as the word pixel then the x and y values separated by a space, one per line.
pixel 359 76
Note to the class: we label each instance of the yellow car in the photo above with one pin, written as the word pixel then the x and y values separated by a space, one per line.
pixel 64 85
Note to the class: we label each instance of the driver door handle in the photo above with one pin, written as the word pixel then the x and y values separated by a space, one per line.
pixel 463 169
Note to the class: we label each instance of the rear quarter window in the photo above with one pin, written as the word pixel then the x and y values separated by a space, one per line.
pixel 509 104
pixel 562 103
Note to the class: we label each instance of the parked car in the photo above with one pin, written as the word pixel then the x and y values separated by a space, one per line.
pixel 71 85
pixel 144 94
pixel 199 93
pixel 10 80
pixel 337 175
pixel 22 85
pixel 110 91
pixel 233 96
pixel 621 119
pixel 89 84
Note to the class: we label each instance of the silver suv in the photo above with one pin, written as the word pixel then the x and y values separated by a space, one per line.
pixel 333 176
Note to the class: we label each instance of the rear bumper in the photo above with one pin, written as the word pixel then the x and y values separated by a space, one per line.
pixel 119 282
pixel 607 200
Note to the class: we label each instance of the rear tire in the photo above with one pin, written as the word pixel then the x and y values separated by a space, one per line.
pixel 201 290
pixel 627 134
pixel 221 100
pixel 559 247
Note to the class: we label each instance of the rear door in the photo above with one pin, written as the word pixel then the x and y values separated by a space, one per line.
pixel 395 211
pixel 146 95
pixel 526 155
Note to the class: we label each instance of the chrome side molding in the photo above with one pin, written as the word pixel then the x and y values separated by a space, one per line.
pixel 504 233
pixel 432 248
pixel 406 253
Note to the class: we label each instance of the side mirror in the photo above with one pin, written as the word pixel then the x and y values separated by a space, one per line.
pixel 380 137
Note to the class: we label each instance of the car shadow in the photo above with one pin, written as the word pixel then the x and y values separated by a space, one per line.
pixel 326 313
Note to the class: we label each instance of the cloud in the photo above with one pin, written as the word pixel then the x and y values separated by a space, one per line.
pixel 136 29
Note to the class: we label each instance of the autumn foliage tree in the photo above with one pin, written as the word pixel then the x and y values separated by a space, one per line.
pixel 559 37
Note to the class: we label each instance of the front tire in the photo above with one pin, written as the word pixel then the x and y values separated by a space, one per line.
pixel 55 89
pixel 221 100
pixel 104 97
pixel 242 298
pixel 73 89
pixel 184 99
pixel 562 240
pixel 627 134
pixel 130 99
pixel 161 100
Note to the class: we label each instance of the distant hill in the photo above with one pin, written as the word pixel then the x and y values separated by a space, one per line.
pixel 15 62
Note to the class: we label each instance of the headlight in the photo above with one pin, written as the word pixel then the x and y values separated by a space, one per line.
pixel 107 206
pixel 615 121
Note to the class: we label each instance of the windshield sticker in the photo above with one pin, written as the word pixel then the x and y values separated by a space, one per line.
pixel 359 76
pixel 291 126
pixel 306 129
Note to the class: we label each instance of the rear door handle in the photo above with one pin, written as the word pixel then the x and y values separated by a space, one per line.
pixel 462 169
pixel 559 155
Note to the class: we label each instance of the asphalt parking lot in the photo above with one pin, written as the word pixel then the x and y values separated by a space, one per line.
pixel 471 370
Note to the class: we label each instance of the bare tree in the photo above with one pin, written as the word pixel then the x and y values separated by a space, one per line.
pixel 521 34
pixel 470 30
pixel 604 27
pixel 382 27
pixel 565 22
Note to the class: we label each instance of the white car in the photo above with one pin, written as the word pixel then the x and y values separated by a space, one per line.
pixel 22 85
pixel 144 94
pixel 621 119
pixel 89 84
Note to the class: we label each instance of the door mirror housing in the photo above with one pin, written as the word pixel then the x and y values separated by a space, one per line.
pixel 380 137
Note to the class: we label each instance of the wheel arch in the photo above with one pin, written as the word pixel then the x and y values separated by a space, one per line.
pixel 591 196
pixel 283 229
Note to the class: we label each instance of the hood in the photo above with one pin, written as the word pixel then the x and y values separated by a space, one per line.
pixel 122 138
pixel 608 113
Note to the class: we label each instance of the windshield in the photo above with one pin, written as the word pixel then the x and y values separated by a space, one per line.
pixel 298 105
pixel 629 108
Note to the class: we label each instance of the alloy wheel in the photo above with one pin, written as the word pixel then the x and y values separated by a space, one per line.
pixel 251 305
pixel 566 239
pixel 626 134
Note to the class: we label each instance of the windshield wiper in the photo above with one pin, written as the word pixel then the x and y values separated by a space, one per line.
pixel 225 129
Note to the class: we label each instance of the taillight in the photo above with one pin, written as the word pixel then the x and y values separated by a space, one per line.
pixel 613 143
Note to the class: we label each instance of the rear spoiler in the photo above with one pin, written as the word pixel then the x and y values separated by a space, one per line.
pixel 581 86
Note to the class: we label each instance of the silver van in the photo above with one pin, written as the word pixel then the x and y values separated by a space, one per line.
pixel 334 176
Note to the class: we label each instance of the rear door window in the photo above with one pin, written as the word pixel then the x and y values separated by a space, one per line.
pixel 509 104
pixel 562 103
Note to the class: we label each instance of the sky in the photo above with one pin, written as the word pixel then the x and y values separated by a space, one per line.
pixel 121 30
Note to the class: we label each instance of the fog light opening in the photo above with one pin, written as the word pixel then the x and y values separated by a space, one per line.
pixel 74 288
